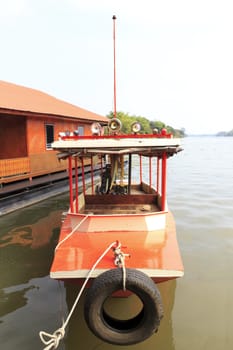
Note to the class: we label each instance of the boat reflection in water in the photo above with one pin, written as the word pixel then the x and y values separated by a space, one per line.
pixel 27 241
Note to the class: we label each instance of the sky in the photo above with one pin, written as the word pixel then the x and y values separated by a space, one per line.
pixel 174 58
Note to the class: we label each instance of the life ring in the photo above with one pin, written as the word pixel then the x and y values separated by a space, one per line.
pixel 117 331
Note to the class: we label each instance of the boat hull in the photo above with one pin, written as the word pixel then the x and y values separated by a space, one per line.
pixel 154 252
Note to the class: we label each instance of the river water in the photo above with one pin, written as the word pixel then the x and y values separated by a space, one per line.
pixel 198 307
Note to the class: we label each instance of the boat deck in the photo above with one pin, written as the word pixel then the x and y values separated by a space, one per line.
pixel 149 237
pixel 137 202
pixel 103 209
pixel 155 253
pixel 120 204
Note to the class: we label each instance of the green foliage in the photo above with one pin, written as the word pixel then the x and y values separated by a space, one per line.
pixel 147 125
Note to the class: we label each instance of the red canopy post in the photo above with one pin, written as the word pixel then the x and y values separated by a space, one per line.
pixel 76 184
pixel 92 176
pixel 140 158
pixel 71 184
pixel 158 175
pixel 83 177
pixel 164 181
pixel 150 172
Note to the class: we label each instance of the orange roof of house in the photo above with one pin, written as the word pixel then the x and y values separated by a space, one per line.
pixel 20 98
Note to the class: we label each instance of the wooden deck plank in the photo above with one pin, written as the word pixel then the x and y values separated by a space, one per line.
pixel 120 204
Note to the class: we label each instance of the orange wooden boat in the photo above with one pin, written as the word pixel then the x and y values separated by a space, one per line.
pixel 118 234
pixel 134 214
pixel 128 221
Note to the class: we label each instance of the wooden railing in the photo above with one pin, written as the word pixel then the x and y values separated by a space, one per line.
pixel 14 167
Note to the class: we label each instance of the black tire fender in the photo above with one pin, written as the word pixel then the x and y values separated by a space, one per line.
pixel 123 332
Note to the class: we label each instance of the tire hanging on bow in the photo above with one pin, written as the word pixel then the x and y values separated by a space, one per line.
pixel 118 331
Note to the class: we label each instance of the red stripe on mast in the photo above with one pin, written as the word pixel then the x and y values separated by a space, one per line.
pixel 114 58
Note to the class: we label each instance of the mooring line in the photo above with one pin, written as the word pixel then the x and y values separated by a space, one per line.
pixel 52 340
pixel 72 232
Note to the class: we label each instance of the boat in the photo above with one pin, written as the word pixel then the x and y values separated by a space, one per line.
pixel 118 238
pixel 131 218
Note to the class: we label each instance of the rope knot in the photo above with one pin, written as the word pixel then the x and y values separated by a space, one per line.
pixel 120 261
pixel 119 255
pixel 52 340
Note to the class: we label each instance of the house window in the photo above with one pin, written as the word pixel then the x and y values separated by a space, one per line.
pixel 80 130
pixel 49 129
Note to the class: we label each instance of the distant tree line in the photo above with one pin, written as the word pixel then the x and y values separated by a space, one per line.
pixel 146 124
pixel 225 133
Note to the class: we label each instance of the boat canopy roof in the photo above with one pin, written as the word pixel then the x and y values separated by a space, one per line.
pixel 147 145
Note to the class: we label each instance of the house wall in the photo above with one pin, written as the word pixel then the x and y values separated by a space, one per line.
pixel 12 136
pixel 23 152
pixel 43 160
pixel 36 133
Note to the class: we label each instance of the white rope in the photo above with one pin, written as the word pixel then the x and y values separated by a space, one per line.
pixel 72 232
pixel 124 274
pixel 53 340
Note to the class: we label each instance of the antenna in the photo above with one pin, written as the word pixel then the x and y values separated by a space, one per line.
pixel 114 58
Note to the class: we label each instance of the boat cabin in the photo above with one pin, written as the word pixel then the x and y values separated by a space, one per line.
pixel 118 190
pixel 126 202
